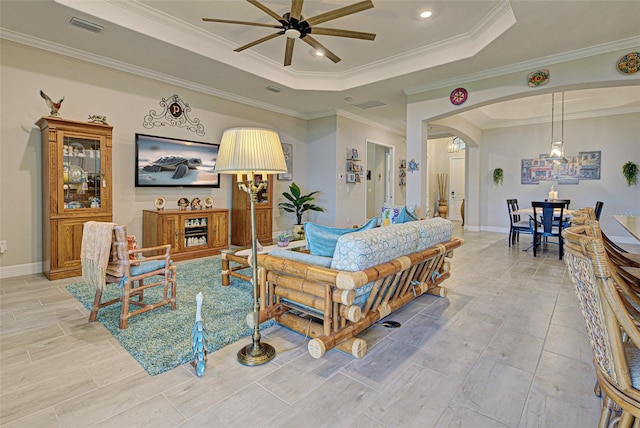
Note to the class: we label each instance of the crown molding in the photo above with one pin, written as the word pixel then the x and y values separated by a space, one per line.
pixel 510 123
pixel 138 71
pixel 161 26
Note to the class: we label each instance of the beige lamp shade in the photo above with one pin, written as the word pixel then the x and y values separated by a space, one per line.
pixel 250 150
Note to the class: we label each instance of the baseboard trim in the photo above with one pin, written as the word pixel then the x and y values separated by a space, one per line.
pixel 20 270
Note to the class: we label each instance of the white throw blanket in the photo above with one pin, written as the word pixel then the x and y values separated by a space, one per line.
pixel 96 248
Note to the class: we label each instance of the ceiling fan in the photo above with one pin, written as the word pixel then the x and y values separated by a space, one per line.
pixel 295 26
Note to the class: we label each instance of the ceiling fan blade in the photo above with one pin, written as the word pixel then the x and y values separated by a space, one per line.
pixel 319 47
pixel 342 33
pixel 288 52
pixel 296 9
pixel 338 13
pixel 257 42
pixel 266 10
pixel 229 21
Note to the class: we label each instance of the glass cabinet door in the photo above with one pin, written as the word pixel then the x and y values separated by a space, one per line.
pixel 196 232
pixel 82 179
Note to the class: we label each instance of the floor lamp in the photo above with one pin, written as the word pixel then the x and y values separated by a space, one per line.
pixel 251 151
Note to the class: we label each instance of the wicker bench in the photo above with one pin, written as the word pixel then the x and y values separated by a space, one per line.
pixel 333 303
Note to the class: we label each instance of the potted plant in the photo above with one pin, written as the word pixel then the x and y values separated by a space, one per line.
pixel 283 239
pixel 298 204
pixel 498 176
pixel 630 172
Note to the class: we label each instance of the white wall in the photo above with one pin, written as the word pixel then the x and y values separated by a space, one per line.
pixel 615 136
pixel 351 206
pixel 125 99
pixel 323 170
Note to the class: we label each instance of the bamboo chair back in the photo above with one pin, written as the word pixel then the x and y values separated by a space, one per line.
pixel 613 332
pixel 129 268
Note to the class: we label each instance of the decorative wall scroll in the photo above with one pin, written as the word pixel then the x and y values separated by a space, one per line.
pixel 629 64
pixel 538 78
pixel 287 149
pixel 585 166
pixel 175 113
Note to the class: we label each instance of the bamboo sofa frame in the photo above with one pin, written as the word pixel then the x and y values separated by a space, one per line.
pixel 319 302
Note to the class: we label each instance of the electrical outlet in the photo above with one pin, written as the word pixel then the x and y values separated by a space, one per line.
pixel 3 247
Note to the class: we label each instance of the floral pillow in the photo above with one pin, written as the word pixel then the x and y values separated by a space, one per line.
pixel 396 214
pixel 391 215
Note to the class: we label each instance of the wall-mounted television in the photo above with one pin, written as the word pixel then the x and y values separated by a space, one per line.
pixel 169 162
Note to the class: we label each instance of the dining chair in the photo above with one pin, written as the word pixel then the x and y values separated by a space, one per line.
pixel 107 259
pixel 548 221
pixel 565 201
pixel 516 224
pixel 598 209
pixel 612 325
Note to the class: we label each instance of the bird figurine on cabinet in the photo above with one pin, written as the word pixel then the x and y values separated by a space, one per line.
pixel 199 340
pixel 51 104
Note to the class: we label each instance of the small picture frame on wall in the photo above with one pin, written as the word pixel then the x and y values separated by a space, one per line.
pixel 354 153
pixel 287 149
pixel 351 177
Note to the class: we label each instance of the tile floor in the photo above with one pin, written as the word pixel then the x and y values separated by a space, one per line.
pixel 506 348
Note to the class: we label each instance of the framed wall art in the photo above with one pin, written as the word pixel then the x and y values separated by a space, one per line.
pixel 169 162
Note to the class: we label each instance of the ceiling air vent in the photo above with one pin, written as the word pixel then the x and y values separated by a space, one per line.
pixel 87 25
pixel 272 88
pixel 369 104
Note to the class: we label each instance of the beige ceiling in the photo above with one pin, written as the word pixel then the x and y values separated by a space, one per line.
pixel 168 40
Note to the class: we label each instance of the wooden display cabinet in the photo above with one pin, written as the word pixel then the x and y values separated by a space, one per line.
pixel 241 214
pixel 76 188
pixel 192 234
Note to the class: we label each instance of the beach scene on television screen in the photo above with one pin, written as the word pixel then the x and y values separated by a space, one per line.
pixel 164 162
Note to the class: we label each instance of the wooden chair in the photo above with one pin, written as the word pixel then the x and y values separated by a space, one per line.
pixel 516 224
pixel 548 219
pixel 626 265
pixel 613 331
pixel 128 268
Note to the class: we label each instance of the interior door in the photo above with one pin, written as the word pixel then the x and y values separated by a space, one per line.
pixel 379 168
pixel 388 183
pixel 456 172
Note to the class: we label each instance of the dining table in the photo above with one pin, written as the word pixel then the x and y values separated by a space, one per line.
pixel 631 223
pixel 567 215
pixel 529 211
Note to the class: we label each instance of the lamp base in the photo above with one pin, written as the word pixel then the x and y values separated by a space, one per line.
pixel 256 355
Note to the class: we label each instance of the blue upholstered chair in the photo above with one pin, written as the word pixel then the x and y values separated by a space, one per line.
pixel 548 222
pixel 516 224
pixel 598 209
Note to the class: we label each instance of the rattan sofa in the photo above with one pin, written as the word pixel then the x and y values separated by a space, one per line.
pixel 372 274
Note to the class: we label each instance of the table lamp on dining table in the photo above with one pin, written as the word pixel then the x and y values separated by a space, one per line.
pixel 250 152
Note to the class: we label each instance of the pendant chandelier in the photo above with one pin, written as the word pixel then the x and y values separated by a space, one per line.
pixel 455 145
pixel 557 146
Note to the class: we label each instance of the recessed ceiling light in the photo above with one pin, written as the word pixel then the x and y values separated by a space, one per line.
pixel 426 14
pixel 319 53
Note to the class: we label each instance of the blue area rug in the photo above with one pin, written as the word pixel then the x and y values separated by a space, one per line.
pixel 161 339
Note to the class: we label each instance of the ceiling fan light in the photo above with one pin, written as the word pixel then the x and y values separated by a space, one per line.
pixel 292 33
